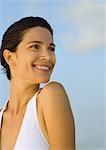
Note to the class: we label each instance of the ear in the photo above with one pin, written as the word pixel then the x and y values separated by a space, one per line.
pixel 9 57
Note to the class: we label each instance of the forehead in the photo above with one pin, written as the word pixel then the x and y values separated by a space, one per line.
pixel 37 33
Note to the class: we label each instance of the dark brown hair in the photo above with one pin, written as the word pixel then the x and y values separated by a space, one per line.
pixel 13 36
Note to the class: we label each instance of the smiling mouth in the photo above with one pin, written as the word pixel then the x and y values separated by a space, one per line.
pixel 41 68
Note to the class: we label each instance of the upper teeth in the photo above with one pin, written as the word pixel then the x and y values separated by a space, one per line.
pixel 42 67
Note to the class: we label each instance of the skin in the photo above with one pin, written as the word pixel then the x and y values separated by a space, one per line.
pixel 61 128
pixel 25 78
pixel 25 82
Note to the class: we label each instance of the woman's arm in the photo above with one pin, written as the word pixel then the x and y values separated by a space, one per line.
pixel 58 117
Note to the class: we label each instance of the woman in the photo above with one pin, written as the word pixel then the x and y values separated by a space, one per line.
pixel 33 118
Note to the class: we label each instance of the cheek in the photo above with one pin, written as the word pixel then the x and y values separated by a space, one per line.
pixel 54 59
pixel 23 62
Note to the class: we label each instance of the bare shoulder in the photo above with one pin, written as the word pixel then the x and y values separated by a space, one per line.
pixel 53 84
pixel 58 116
pixel 53 88
pixel 53 91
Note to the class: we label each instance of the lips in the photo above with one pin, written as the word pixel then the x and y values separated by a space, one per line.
pixel 42 67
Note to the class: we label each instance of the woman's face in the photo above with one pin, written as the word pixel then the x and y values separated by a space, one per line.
pixel 35 56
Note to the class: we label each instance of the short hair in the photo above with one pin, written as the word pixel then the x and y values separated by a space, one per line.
pixel 13 36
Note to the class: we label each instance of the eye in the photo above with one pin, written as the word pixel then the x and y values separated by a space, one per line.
pixel 35 46
pixel 52 49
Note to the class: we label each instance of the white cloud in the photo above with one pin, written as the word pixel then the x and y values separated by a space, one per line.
pixel 88 19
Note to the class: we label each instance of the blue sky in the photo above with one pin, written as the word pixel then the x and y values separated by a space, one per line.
pixel 79 34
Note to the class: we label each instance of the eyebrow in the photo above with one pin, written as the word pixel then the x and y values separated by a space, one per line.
pixel 40 42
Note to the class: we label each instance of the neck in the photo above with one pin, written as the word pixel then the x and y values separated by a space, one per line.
pixel 20 94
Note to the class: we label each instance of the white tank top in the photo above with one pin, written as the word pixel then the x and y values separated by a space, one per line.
pixel 30 136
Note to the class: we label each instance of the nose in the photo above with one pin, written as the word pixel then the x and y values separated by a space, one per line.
pixel 45 55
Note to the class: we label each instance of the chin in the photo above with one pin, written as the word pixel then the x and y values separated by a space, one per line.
pixel 44 81
pixel 40 80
